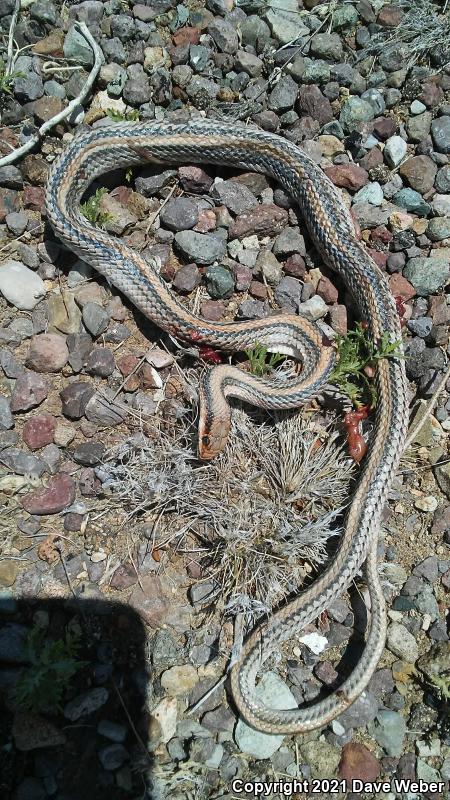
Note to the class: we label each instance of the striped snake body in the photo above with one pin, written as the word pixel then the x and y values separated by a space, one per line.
pixel 332 231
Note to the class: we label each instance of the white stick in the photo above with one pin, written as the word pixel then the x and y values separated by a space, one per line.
pixel 98 60
pixel 12 27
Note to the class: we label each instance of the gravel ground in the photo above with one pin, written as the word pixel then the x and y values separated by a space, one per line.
pixel 370 103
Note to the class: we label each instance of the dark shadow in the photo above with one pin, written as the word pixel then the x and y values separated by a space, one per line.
pixel 95 744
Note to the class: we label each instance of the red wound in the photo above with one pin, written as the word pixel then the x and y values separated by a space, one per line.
pixel 357 446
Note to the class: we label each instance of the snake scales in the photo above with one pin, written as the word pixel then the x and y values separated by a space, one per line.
pixel 331 229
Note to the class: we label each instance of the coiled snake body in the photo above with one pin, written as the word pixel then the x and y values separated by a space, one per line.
pixel 331 229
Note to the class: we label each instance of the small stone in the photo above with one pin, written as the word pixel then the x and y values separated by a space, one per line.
pixel 273 692
pixel 402 643
pixel 100 362
pixel 389 730
pixel 289 242
pixel 113 756
pixel 427 275
pixel 371 193
pixel 187 278
pixel 29 391
pixel 394 151
pixel 77 48
pixel 417 107
pixel 354 113
pixel 268 266
pixel 283 95
pixel 74 399
pixel 199 247
pixel 266 219
pixel 31 732
pixel 357 762
pixel 85 704
pixel 39 431
pixel 112 730
pixel 195 179
pixel 348 176
pixel 234 196
pixel 59 493
pixel 95 318
pixel 418 127
pixel 22 287
pixel 6 417
pixel 440 131
pixel 438 229
pixel 179 214
pixel 412 201
pixel 48 353
pixel 219 282
pixel 179 680
pixel 420 172
pixel 312 102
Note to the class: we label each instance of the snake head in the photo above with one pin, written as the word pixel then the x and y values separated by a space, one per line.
pixel 212 437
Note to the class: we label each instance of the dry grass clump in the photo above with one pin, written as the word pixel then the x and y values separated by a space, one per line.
pixel 425 27
pixel 256 519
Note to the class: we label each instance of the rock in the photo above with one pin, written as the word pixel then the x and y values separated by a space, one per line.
pixel 195 179
pixel 268 267
pixel 354 112
pixel 29 391
pixel 102 409
pixel 224 35
pixel 440 132
pixel 48 352
pixel 95 318
pixel 112 756
pixel 6 418
pixel 265 219
pixel 442 180
pixel 412 201
pixel 219 282
pixel 357 762
pixel 322 758
pixel 199 247
pixel 187 278
pixel 179 214
pixel 59 493
pixel 348 176
pixel 389 731
pixel 77 48
pixel 427 275
pixel 288 294
pixel 85 704
pixel 288 242
pixel 31 732
pixel 179 680
pixel 100 362
pixel 150 602
pixel 420 172
pixel 272 691
pixel 371 193
pixel 311 101
pixel 234 195
pixel 22 463
pixel 284 21
pixel 327 45
pixel 75 398
pixel 22 287
pixel 402 643
pixel 283 95
pixel 361 712
pixel 438 229
pixel 394 151
pixel 39 430
pixel 313 309
pixel 249 63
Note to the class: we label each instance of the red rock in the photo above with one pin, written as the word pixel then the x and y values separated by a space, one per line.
pixel 213 310
pixel 29 391
pixel 384 127
pixel 420 172
pixel 124 577
pixel 89 484
pixel 150 603
pixel 439 310
pixel 390 16
pixel 358 762
pixel 431 95
pixel 381 234
pixel 47 107
pixel 34 197
pixel 327 291
pixel 9 202
pixel 39 431
pixel 313 103
pixel 372 159
pixel 400 287
pixel 379 257
pixel 186 36
pixel 258 290
pixel 242 277
pixel 59 493
pixel 207 221
pixel 338 319
pixel 126 365
pixel 347 176
pixel 195 179
pixel 51 45
pixel 48 352
pixel 295 266
pixel 267 219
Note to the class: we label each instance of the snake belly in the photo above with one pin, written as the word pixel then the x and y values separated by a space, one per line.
pixel 332 231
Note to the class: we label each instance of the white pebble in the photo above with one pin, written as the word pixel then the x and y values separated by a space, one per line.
pixel 394 150
pixel 428 503
pixel 22 287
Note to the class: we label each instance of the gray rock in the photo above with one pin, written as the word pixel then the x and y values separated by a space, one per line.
pixel 442 180
pixel 152 184
pixel 375 99
pixel 165 650
pixel 44 11
pixel 438 229
pixel 440 131
pixel 234 195
pixel 361 712
pixel 344 17
pixel 371 193
pixel 219 282
pixel 103 410
pixel 21 462
pixel 11 177
pixel 224 35
pixel 418 127
pixel 327 45
pixel 289 241
pixel 76 47
pixel 113 756
pixel 355 111
pixel 427 275
pixel 86 703
pixel 402 643
pixel 288 293
pixel 284 21
pixel 6 417
pixel 199 247
pixel 114 50
pixel 137 91
pixel 252 309
pixel 428 568
pixel 17 222
pixel 20 286
pixel 112 730
pixel 284 95
pixel 187 278
pixel 268 267
pixel 248 63
pixel 411 201
pixel 420 327
pixel 123 27
pixel 272 691
pixel 179 214
pixel 394 151
pixel 389 730
pixel 95 318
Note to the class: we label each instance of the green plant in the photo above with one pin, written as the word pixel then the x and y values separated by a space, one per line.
pixel 126 116
pixel 42 685
pixel 357 357
pixel 6 81
pixel 91 209
pixel 259 365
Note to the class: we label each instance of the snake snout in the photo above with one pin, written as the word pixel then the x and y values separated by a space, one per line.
pixel 211 442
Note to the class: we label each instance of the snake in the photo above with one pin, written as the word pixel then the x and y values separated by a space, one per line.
pixel 94 152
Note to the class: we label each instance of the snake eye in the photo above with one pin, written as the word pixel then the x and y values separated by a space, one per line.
pixel 205 441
